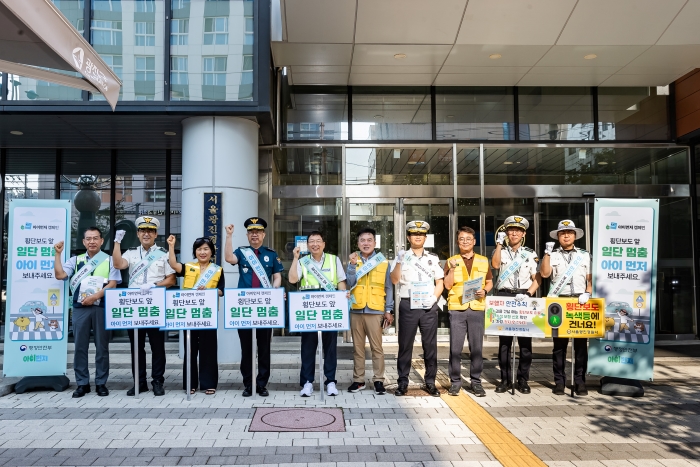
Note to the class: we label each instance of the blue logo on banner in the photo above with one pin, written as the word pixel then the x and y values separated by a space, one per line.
pixel 241 293
pixel 608 348
pixel 22 348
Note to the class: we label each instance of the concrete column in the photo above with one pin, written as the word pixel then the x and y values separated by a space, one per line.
pixel 219 154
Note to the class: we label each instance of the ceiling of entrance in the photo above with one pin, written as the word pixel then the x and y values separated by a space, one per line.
pixel 487 42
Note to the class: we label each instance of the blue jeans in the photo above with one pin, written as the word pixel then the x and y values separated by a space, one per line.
pixel 309 345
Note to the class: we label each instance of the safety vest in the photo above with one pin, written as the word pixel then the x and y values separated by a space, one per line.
pixel 309 282
pixel 192 275
pixel 102 270
pixel 369 291
pixel 480 267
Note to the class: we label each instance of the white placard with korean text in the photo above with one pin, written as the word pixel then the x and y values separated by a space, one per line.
pixel 191 309
pixel 318 311
pixel 129 308
pixel 254 308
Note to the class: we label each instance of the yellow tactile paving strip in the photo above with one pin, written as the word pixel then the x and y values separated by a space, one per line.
pixel 507 449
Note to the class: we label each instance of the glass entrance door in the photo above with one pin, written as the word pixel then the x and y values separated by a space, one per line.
pixel 550 212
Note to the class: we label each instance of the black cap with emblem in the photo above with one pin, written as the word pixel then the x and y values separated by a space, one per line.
pixel 255 223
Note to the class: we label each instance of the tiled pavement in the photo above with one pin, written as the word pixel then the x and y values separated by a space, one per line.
pixel 44 428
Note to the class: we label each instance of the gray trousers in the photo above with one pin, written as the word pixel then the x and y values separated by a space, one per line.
pixel 469 323
pixel 85 319
pixel 410 320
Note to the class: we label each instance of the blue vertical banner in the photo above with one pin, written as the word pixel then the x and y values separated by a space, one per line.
pixel 36 313
pixel 625 238
pixel 213 223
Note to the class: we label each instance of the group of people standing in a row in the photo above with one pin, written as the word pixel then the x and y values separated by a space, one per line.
pixel 370 280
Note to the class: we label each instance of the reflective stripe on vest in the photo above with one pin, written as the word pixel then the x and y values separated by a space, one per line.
pixel 192 274
pixel 369 291
pixel 480 268
pixel 309 282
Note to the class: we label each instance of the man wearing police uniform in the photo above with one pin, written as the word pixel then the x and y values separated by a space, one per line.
pixel 258 267
pixel 148 267
pixel 517 277
pixel 372 302
pixel 91 269
pixel 419 276
pixel 467 318
pixel 570 269
pixel 317 271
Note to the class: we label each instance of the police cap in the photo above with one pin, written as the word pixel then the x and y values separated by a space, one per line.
pixel 147 222
pixel 516 221
pixel 255 223
pixel 420 227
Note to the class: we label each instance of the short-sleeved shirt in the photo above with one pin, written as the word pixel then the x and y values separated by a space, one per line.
pixel 409 274
pixel 156 272
pixel 338 267
pixel 522 279
pixel 560 259
pixel 222 279
pixel 69 269
pixel 267 257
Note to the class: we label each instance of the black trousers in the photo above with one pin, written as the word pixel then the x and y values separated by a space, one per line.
pixel 206 374
pixel 309 346
pixel 504 349
pixel 264 338
pixel 409 322
pixel 156 338
pixel 580 359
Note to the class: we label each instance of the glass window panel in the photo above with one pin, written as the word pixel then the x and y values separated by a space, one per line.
pixel 555 113
pixel 391 113
pixel 633 114
pixel 577 166
pixel 468 210
pixel 86 181
pixel 398 166
pixel 128 35
pixel 474 113
pixel 496 211
pixel 322 112
pixel 379 217
pixel 308 166
pixel 219 53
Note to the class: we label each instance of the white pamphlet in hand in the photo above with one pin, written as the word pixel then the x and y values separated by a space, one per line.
pixel 420 294
pixel 301 241
pixel 470 289
pixel 89 286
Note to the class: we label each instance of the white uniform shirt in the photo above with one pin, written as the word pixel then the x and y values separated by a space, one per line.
pixel 155 273
pixel 560 259
pixel 410 274
pixel 522 279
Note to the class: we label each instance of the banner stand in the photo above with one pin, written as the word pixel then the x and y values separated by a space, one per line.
pixel 512 368
pixel 573 358
pixel 188 356
pixel 58 383
pixel 612 386
pixel 320 365
pixel 137 378
pixel 254 372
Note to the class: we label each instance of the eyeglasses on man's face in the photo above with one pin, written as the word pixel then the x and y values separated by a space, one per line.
pixel 466 240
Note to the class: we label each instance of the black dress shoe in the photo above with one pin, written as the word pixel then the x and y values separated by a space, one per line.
pixel 80 391
pixel 478 390
pixel 432 390
pixel 454 390
pixel 559 390
pixel 580 389
pixel 247 392
pixel 523 387
pixel 504 386
pixel 262 390
pixel 102 390
pixel 142 388
pixel 158 389
pixel 401 390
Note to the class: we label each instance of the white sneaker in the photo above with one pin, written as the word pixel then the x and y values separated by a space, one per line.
pixel 332 390
pixel 307 390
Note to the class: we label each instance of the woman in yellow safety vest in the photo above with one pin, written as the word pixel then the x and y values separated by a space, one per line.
pixel 204 341
pixel 467 317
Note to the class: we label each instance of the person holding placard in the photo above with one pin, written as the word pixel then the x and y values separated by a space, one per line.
pixel 258 267
pixel 89 274
pixel 317 271
pixel 202 274
pixel 372 303
pixel 420 279
pixel 468 278
pixel 148 267
pixel 517 277
pixel 570 270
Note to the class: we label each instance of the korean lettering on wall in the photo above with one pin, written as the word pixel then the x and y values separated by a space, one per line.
pixel 213 222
